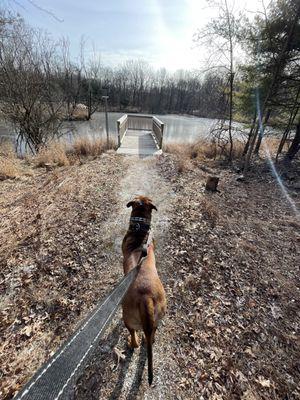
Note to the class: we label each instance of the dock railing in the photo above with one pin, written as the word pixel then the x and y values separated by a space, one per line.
pixel 158 130
pixel 140 122
pixel 122 126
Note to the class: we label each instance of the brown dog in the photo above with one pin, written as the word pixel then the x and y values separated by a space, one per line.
pixel 145 302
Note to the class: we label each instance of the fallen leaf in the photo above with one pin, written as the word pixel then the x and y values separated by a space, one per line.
pixel 264 382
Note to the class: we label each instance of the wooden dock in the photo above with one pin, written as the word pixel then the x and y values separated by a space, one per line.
pixel 140 135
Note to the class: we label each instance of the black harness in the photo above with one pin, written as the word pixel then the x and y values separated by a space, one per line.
pixel 139 224
pixel 142 225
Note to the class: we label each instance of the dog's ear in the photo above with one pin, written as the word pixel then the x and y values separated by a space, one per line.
pixel 130 204
pixel 153 207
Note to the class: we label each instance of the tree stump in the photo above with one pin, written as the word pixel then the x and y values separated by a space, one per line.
pixel 212 183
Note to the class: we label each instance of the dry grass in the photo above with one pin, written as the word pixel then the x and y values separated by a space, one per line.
pixel 84 146
pixel 183 155
pixel 183 164
pixel 80 115
pixel 201 150
pixel 272 144
pixel 58 154
pixel 204 150
pixel 9 163
pixel 54 154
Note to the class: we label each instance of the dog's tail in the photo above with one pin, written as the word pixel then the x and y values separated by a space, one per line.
pixel 147 317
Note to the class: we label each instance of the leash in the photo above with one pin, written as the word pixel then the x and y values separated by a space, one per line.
pixel 53 379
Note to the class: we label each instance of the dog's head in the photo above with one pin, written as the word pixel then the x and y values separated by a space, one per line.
pixel 142 206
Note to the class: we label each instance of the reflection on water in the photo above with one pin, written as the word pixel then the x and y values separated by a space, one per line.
pixel 177 127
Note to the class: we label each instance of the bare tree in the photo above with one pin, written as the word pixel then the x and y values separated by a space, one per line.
pixel 30 95
pixel 221 34
pixel 93 76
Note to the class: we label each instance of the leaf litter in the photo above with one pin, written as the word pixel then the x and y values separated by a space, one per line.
pixel 229 262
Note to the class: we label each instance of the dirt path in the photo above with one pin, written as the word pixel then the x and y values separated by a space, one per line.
pixel 106 377
pixel 61 252
pixel 230 267
pixel 142 177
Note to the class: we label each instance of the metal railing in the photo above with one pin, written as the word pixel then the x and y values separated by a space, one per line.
pixel 158 130
pixel 140 122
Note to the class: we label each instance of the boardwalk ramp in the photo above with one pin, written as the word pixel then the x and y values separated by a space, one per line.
pixel 140 135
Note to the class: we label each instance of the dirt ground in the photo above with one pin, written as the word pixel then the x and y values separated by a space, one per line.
pixel 229 262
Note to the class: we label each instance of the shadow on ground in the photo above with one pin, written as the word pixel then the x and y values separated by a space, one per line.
pixel 137 380
pixel 104 377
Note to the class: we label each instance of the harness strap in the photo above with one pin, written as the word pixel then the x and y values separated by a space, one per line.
pixel 140 219
pixel 139 224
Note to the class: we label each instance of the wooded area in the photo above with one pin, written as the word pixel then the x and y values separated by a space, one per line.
pixel 41 85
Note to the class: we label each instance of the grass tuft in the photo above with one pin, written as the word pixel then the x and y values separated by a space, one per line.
pixel 204 150
pixel 9 163
pixel 54 154
pixel 85 146
pixel 58 154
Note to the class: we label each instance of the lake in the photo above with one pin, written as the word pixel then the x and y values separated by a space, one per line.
pixel 178 128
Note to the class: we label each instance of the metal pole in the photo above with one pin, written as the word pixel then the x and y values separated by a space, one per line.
pixel 119 137
pixel 106 119
pixel 106 122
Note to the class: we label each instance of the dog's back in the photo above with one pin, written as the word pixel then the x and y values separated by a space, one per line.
pixel 145 302
pixel 147 285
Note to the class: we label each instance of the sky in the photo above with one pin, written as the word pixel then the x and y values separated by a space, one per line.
pixel 157 31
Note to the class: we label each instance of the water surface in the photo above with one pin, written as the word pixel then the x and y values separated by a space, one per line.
pixel 178 128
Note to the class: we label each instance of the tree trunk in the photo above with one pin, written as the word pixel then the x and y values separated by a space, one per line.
pixel 266 119
pixel 230 116
pixel 231 77
pixel 212 183
pixel 89 105
pixel 295 146
pixel 293 115
pixel 250 134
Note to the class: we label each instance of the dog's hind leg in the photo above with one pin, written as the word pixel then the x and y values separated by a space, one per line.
pixel 149 328
pixel 132 339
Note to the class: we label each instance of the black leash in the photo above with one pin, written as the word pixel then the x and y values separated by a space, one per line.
pixel 58 374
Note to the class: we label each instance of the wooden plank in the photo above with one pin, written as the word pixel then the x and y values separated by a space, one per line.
pixel 139 142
